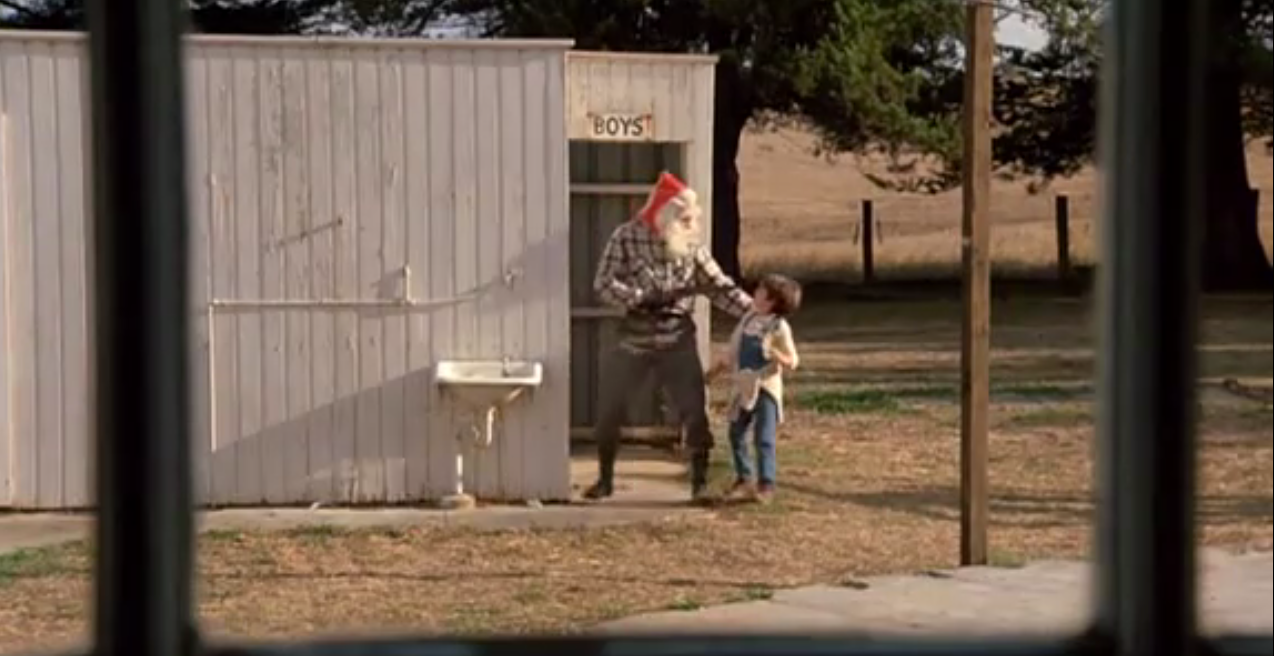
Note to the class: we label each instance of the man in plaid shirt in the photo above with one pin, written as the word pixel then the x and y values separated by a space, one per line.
pixel 652 267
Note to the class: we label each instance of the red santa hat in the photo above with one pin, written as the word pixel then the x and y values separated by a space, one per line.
pixel 668 189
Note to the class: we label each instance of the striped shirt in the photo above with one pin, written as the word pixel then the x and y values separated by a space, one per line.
pixel 636 266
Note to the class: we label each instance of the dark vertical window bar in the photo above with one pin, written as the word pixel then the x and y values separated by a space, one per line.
pixel 143 569
pixel 1152 152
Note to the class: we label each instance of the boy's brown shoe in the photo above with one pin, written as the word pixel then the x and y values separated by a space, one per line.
pixel 742 490
pixel 765 493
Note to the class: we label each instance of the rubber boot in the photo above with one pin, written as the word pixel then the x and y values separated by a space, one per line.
pixel 699 477
pixel 605 485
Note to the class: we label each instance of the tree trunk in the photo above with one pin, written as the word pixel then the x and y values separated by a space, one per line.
pixel 1233 258
pixel 731 110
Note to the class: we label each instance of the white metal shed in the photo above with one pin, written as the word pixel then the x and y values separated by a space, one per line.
pixel 361 209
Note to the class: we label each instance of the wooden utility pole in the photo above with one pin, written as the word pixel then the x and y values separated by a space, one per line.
pixel 975 347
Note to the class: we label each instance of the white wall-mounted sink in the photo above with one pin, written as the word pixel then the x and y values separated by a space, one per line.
pixel 483 384
pixel 482 387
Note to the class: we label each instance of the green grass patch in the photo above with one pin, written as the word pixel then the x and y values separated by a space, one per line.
pixel 888 400
pixel 853 401
pixel 316 532
pixel 1042 391
pixel 926 392
pixel 221 535
pixel 38 562
pixel 1254 411
pixel 1048 417
pixel 532 595
pixel 686 604
pixel 1005 559
pixel 1227 406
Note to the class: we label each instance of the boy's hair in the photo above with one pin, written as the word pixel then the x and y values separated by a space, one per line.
pixel 783 292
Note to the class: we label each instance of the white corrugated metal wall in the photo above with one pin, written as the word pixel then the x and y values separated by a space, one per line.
pixel 44 196
pixel 333 169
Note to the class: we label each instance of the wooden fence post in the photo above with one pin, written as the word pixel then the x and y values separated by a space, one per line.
pixel 867 221
pixel 1062 218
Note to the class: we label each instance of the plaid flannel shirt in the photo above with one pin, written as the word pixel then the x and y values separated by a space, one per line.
pixel 635 265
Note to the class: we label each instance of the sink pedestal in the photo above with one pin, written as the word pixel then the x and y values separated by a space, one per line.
pixel 480 388
pixel 457 502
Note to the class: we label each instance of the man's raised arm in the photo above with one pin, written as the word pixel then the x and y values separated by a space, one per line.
pixel 719 288
pixel 608 283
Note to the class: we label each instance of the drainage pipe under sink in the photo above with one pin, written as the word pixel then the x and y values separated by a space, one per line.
pixel 482 437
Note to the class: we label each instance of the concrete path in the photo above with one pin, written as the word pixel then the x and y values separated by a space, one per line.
pixel 650 489
pixel 1044 598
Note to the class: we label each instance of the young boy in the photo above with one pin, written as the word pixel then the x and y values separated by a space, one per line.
pixel 760 348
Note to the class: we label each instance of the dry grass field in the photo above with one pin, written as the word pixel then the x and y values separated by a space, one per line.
pixel 868 455
pixel 800 215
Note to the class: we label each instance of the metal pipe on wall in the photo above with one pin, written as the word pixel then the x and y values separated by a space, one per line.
pixel 334 303
pixel 405 300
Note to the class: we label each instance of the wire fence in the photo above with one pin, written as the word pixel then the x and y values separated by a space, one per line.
pixel 900 238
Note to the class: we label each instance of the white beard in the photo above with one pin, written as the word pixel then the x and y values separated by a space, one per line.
pixel 680 240
pixel 681 243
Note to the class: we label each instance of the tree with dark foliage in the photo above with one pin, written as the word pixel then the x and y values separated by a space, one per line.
pixel 1047 103
pixel 887 76
pixel 856 68
pixel 208 16
pixel 868 75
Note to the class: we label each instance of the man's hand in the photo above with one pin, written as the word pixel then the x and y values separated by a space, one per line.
pixel 659 299
pixel 719 287
pixel 654 301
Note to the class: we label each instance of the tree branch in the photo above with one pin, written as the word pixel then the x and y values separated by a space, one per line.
pixel 19 8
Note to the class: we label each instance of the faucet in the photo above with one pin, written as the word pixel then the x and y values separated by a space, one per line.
pixel 504 366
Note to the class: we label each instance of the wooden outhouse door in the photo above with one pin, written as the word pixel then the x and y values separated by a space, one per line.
pixel 608 184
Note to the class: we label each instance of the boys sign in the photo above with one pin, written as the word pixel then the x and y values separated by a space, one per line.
pixel 621 126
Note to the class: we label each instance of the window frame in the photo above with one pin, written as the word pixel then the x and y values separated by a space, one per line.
pixel 1151 146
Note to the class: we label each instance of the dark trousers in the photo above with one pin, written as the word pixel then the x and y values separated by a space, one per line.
pixel 679 371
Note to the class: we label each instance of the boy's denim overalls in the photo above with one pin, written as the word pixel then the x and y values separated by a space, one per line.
pixel 763 416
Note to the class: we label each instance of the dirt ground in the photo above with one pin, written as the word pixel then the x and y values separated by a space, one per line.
pixel 869 476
